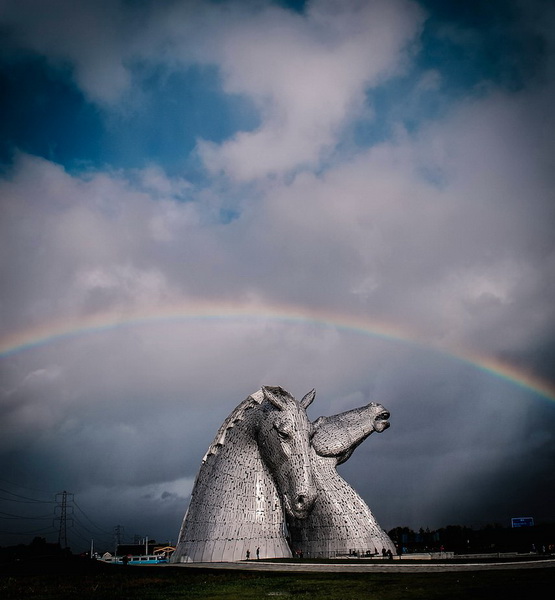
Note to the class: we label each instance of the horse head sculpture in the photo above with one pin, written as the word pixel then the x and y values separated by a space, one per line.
pixel 340 521
pixel 258 467
pixel 284 444
pixel 339 435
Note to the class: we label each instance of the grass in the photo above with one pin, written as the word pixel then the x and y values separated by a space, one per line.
pixel 87 580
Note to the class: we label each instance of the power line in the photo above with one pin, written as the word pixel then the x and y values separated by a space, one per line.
pixel 84 536
pixel 26 487
pixel 76 533
pixel 91 533
pixel 11 516
pixel 64 520
pixel 20 519
pixel 23 498
pixel 90 520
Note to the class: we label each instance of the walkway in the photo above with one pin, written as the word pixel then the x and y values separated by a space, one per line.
pixel 397 566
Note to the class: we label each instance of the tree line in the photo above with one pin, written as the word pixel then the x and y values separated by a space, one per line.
pixel 490 538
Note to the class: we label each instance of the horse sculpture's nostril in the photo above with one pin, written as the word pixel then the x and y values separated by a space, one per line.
pixel 302 502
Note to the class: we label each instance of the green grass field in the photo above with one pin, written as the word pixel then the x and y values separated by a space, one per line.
pixel 107 582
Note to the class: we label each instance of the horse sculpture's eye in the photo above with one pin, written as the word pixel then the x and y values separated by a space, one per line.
pixel 283 435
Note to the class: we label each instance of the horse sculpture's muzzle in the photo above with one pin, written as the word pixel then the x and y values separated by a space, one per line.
pixel 301 505
pixel 381 422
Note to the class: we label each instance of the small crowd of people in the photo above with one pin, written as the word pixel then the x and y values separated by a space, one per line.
pixel 257 554
pixel 369 554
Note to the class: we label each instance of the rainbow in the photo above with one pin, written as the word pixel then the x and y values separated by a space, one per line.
pixel 62 329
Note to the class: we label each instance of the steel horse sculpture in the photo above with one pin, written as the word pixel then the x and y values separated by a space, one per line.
pixel 268 484
pixel 340 522
pixel 257 468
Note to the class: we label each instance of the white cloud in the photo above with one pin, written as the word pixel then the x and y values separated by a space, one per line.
pixel 86 242
pixel 308 77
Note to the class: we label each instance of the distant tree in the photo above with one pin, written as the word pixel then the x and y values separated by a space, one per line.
pixel 38 541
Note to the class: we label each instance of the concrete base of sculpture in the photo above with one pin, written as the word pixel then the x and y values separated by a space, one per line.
pixel 268 485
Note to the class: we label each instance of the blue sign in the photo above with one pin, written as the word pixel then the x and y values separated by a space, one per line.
pixel 522 522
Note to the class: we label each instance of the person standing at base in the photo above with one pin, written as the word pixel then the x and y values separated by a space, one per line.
pixel 258 553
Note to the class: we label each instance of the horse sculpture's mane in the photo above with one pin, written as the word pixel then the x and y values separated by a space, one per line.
pixel 234 418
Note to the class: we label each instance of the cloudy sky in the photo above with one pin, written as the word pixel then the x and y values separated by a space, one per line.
pixel 201 197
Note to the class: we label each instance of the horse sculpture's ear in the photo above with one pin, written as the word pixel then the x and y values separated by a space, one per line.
pixel 307 400
pixel 276 395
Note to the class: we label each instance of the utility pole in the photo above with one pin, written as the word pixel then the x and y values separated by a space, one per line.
pixel 118 536
pixel 62 499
